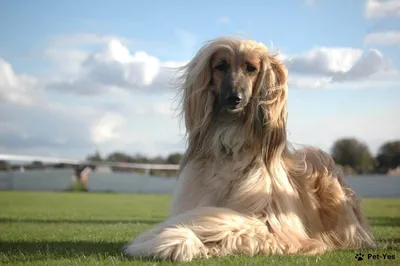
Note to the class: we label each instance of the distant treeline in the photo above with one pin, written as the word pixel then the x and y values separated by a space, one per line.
pixel 173 158
pixel 353 155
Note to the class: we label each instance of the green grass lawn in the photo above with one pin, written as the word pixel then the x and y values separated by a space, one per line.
pixel 38 228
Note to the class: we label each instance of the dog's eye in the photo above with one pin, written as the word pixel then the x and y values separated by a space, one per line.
pixel 223 66
pixel 250 68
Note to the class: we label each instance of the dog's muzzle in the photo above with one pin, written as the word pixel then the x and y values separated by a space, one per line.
pixel 232 100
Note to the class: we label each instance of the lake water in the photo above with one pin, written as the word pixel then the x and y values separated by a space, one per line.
pixel 365 186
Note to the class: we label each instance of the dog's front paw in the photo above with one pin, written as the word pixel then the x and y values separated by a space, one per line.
pixel 176 244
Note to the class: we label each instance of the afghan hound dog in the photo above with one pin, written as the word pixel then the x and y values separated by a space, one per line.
pixel 242 188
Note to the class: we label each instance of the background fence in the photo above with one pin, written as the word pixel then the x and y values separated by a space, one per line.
pixel 58 180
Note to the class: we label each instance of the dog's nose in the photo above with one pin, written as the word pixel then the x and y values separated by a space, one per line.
pixel 232 100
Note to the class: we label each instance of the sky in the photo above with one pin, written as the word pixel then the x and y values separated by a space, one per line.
pixel 76 77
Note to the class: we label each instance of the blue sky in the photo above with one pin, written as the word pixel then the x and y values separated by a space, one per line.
pixel 81 75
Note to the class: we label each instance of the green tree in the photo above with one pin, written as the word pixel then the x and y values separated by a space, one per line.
pixel 96 157
pixel 4 165
pixel 157 160
pixel 37 165
pixel 120 157
pixel 138 158
pixel 388 156
pixel 174 158
pixel 349 152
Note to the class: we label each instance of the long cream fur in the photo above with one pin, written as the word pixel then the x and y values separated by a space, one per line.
pixel 242 189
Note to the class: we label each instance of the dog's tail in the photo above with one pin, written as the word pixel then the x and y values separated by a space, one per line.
pixel 213 231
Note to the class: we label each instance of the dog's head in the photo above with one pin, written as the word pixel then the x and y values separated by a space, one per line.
pixel 234 74
pixel 233 78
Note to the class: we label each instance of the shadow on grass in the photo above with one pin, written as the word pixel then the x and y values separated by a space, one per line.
pixel 24 251
pixel 68 221
pixel 64 249
pixel 384 221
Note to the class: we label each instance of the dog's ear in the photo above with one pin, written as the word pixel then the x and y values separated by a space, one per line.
pixel 273 96
pixel 198 98
pixel 276 83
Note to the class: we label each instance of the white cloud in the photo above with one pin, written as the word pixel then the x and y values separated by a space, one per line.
pixel 38 121
pixel 370 63
pixel 105 128
pixel 323 66
pixel 75 130
pixel 324 60
pixel 22 89
pixel 116 67
pixel 375 9
pixel 65 61
pixel 47 126
pixel 385 38
pixel 223 20
pixel 308 82
pixel 328 61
